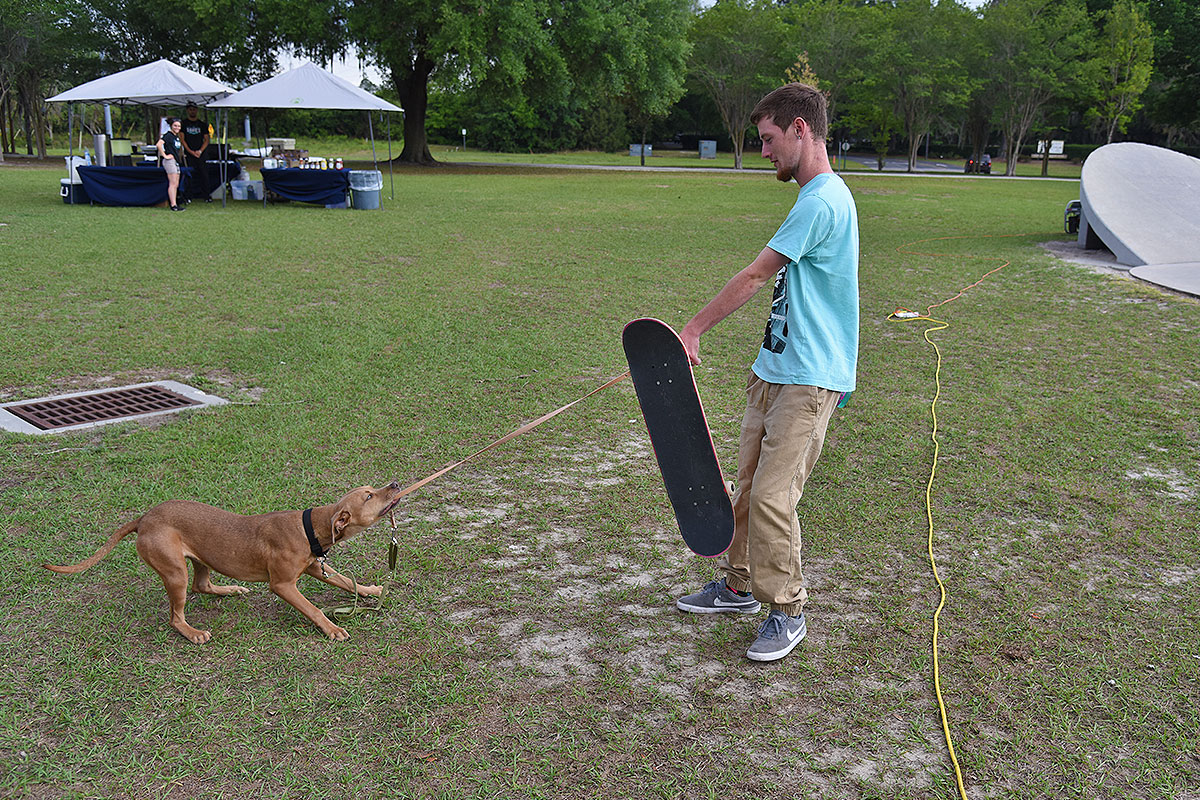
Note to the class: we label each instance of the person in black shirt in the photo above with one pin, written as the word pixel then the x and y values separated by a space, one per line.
pixel 169 150
pixel 195 142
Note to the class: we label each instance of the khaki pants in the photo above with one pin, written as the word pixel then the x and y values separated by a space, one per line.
pixel 782 434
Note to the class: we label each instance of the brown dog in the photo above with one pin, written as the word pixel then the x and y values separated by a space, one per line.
pixel 277 548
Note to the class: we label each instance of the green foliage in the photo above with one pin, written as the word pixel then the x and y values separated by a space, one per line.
pixel 1039 53
pixel 235 41
pixel 42 44
pixel 534 71
pixel 543 75
pixel 1174 95
pixel 739 53
pixel 1124 61
pixel 838 38
pixel 929 74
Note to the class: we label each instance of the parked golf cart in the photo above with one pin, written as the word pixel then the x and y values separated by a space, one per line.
pixel 981 165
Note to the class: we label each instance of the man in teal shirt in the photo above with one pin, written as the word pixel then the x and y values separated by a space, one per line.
pixel 806 365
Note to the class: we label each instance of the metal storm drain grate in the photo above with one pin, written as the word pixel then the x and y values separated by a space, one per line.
pixel 87 409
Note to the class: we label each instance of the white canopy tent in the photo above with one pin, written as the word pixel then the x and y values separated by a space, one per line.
pixel 159 83
pixel 310 87
pixel 306 86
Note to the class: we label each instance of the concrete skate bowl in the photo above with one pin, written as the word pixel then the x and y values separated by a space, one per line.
pixel 1143 204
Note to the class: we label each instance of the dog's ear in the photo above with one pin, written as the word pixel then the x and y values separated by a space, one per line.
pixel 341 520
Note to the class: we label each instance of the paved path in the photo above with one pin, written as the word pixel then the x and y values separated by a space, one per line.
pixel 748 171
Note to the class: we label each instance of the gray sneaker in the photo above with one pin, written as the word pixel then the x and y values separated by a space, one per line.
pixel 777 637
pixel 716 598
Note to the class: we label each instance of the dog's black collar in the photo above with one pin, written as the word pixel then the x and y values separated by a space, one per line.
pixel 313 544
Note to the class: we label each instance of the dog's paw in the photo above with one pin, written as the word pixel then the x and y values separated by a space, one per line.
pixel 370 591
pixel 195 635
pixel 339 634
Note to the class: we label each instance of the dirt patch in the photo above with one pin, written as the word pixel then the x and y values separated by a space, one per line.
pixel 1099 261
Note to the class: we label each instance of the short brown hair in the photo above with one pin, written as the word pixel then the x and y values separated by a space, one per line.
pixel 793 100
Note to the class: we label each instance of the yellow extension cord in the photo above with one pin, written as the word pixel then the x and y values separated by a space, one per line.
pixel 905 315
pixel 910 316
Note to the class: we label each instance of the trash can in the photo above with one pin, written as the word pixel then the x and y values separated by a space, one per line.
pixel 100 143
pixel 708 148
pixel 366 185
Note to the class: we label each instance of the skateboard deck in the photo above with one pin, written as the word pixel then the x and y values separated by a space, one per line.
pixel 666 391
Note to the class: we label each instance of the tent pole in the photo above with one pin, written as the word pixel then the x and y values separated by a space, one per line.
pixel 70 136
pixel 374 158
pixel 262 149
pixel 225 161
pixel 391 175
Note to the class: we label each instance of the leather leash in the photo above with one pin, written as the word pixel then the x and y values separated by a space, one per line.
pixel 394 547
pixel 394 550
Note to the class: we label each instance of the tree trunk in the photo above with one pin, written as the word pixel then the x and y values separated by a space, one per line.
pixel 10 114
pixel 26 114
pixel 3 124
pixel 41 131
pixel 1014 152
pixel 412 86
pixel 1046 158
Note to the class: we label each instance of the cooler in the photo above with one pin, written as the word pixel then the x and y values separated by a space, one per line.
pixel 73 193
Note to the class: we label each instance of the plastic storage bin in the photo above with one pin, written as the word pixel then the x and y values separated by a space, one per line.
pixel 366 185
pixel 246 190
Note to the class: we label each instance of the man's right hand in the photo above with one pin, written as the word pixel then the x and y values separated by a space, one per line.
pixel 691 344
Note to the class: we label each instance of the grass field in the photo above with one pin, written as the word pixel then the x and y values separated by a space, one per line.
pixel 527 645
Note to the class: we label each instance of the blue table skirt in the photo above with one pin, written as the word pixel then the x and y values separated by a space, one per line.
pixel 128 186
pixel 233 168
pixel 322 186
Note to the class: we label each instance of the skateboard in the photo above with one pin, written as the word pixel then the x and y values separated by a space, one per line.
pixel 666 391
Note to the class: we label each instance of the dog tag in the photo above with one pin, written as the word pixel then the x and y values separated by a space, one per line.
pixel 393 554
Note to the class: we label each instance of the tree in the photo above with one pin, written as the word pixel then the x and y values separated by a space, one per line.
pixel 656 61
pixel 1039 54
pixel 868 100
pixel 39 42
pixel 1173 98
pixel 922 65
pixel 739 53
pixel 534 59
pixel 834 37
pixel 1125 60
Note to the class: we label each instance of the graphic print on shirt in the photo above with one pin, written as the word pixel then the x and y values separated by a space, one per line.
pixel 775 338
pixel 193 133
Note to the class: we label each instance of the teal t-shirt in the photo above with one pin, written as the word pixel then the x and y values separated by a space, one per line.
pixel 812 333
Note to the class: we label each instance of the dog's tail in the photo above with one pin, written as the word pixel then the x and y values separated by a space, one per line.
pixel 121 533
